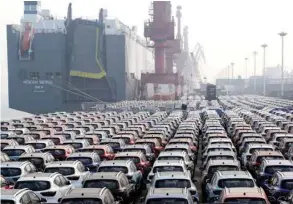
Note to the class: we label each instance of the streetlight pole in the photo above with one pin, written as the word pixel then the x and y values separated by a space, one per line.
pixel 254 82
pixel 246 60
pixel 282 34
pixel 232 70
pixel 264 68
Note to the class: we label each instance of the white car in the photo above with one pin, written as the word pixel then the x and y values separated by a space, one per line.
pixel 72 170
pixel 51 186
pixel 17 196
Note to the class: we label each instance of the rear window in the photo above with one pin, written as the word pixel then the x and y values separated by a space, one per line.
pixel 4 136
pixel 38 145
pixel 98 151
pixel 13 152
pixel 113 169
pixel 114 145
pixel 167 201
pixel 167 169
pixel 235 183
pixel 260 158
pixel 55 140
pixel 221 157
pixel 173 183
pixel 9 172
pixel 287 184
pixel 33 185
pixel 246 200
pixel 81 200
pixel 65 171
pixel 135 150
pixel 110 184
pixel 35 161
pixel 7 201
pixel 175 149
pixel 260 149
pixel 273 169
pixel 84 160
pixel 134 159
pixel 58 129
pixel 75 145
pixel 56 152
pixel 213 169
pixel 20 140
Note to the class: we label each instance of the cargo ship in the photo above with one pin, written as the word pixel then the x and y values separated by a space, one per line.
pixel 58 64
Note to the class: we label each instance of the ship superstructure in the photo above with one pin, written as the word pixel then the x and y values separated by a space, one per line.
pixel 56 64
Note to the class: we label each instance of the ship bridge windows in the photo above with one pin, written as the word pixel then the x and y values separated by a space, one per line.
pixel 34 75
pixel 49 75
pixel 58 74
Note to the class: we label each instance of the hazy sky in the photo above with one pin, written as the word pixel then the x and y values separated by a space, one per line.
pixel 229 30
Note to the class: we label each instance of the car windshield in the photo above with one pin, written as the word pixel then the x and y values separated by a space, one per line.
pixel 98 151
pixel 13 152
pixel 114 145
pixel 135 150
pixel 55 140
pixel 38 162
pixel 56 152
pixel 136 160
pixel 235 183
pixel 76 145
pixel 246 200
pixel 113 169
pixel 3 201
pixel 167 201
pixel 4 136
pixel 287 184
pixel 167 169
pixel 81 201
pixel 260 158
pixel 151 144
pixel 260 149
pixel 84 160
pixel 9 172
pixel 110 184
pixel 65 171
pixel 175 149
pixel 171 158
pixel 213 169
pixel 173 183
pixel 273 169
pixel 38 145
pixel 33 185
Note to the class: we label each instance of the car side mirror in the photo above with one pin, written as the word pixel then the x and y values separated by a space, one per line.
pixel 68 183
pixel 43 200
pixel 194 180
pixel 131 181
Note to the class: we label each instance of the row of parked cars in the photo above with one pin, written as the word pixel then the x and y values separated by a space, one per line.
pixel 120 156
pixel 63 157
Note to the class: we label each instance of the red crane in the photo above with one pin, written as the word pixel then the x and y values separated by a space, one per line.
pixel 160 29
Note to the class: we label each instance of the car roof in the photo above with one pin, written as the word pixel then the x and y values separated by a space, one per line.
pixel 277 162
pixel 14 164
pixel 38 176
pixel 233 174
pixel 85 193
pixel 131 154
pixel 267 153
pixel 82 154
pixel 116 163
pixel 242 192
pixel 63 163
pixel 172 175
pixel 168 192
pixel 167 162
pixel 104 175
pixel 173 153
